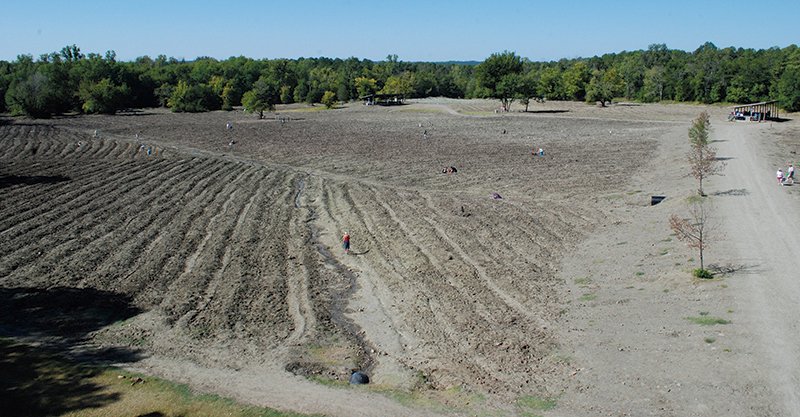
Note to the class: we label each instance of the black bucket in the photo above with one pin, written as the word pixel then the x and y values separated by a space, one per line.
pixel 359 378
pixel 655 199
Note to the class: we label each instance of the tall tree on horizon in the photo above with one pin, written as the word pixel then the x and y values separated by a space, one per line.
pixel 500 74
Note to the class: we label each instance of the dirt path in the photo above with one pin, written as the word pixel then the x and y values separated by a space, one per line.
pixel 762 228
pixel 630 294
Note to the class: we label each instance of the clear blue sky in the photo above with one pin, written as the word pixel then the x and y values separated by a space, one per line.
pixel 415 30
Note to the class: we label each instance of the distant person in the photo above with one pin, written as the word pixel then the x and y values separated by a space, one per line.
pixel 541 152
pixel 229 126
pixel 779 174
pixel 346 242
pixel 790 173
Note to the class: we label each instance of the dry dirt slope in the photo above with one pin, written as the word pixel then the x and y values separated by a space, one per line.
pixel 235 259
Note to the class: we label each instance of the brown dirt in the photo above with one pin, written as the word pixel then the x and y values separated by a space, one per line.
pixel 452 301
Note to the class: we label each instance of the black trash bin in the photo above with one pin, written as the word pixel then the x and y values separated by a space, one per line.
pixel 359 378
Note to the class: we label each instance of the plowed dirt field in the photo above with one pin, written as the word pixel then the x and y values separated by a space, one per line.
pixel 224 245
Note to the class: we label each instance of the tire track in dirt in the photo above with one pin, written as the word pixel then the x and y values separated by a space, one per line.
pixel 297 296
pixel 432 278
pixel 490 283
pixel 181 304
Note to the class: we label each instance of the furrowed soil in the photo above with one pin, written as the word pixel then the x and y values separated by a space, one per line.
pixel 169 244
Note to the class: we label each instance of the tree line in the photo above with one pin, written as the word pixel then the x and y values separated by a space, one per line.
pixel 70 81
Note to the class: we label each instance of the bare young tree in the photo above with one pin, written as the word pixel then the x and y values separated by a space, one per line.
pixel 702 158
pixel 694 231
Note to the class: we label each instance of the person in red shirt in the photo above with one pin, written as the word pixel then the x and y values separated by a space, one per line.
pixel 346 242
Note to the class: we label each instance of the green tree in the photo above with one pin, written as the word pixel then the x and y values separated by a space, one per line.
pixel 402 84
pixel 702 158
pixel 604 86
pixel 653 85
pixel 32 96
pixel 366 86
pixel 193 98
pixel 574 80
pixel 286 94
pixel 103 96
pixel 500 75
pixel 163 93
pixel 526 89
pixel 329 99
pixel 789 89
pixel 264 96
pixel 550 84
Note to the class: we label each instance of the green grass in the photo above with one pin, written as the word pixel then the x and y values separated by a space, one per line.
pixel 706 320
pixel 304 109
pixel 420 110
pixel 588 297
pixel 583 281
pixel 529 403
pixel 639 273
pixel 709 340
pixel 46 384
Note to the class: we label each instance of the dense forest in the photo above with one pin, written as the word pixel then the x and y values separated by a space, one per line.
pixel 70 81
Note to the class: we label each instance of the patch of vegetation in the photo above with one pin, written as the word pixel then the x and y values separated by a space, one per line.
pixel 709 340
pixel 622 243
pixel 583 281
pixel 694 199
pixel 639 273
pixel 664 252
pixel 47 384
pixel 420 110
pixel 702 273
pixel 706 320
pixel 588 297
pixel 451 399
pixel 528 403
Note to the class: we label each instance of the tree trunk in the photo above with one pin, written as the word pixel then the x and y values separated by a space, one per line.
pixel 702 265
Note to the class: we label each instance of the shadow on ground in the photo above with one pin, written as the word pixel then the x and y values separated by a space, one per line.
pixel 732 192
pixel 44 358
pixel 546 111
pixel 12 180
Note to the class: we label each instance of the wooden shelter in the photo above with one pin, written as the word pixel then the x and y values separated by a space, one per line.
pixel 383 99
pixel 756 112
